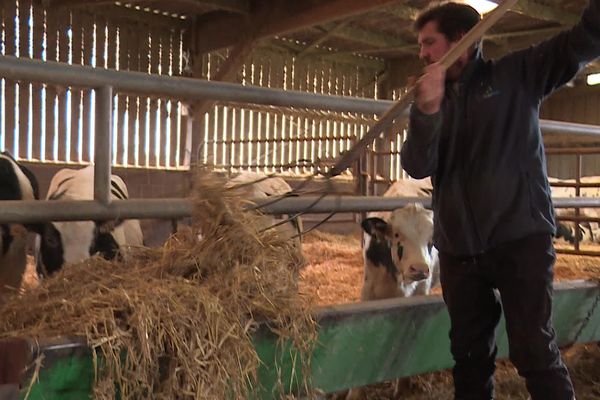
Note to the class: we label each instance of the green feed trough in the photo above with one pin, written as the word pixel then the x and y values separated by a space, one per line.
pixel 358 344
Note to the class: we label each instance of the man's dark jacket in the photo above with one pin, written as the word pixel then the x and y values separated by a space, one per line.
pixel 484 149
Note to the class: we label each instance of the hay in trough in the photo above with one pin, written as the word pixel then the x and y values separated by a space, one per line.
pixel 189 308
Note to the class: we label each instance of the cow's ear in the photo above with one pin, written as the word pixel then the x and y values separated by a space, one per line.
pixel 108 226
pixel 375 226
pixel 35 228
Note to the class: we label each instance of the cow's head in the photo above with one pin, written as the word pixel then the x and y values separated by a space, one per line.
pixel 70 242
pixel 408 234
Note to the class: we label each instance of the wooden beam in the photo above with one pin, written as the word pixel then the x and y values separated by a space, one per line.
pixel 153 19
pixel 217 31
pixel 226 72
pixel 361 61
pixel 544 13
pixel 236 6
pixel 494 37
pixel 365 36
pixel 322 39
pixel 403 12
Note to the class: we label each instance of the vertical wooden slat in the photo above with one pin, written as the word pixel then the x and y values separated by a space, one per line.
pixel 10 11
pixel 51 92
pixel 165 44
pixel 64 22
pixel 186 47
pixel 122 123
pixel 154 63
pixel 324 133
pixel 24 88
pixel 175 105
pixel 76 97
pixel 257 157
pixel 144 50
pixel 111 60
pixel 37 105
pixel 87 23
pixel 133 48
pixel 265 128
pixel 274 78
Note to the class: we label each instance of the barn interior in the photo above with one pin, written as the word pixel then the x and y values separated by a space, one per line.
pixel 352 48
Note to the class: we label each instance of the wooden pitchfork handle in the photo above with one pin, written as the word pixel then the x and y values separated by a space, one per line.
pixel 402 104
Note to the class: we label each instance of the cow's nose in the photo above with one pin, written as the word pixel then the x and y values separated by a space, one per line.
pixel 418 271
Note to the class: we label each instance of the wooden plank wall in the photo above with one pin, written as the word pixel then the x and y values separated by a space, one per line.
pixel 284 140
pixel 56 124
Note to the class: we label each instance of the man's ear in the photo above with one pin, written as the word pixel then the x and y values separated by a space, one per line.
pixel 375 227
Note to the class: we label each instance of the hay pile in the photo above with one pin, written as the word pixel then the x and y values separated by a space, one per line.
pixel 190 307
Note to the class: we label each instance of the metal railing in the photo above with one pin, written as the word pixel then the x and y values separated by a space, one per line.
pixel 105 81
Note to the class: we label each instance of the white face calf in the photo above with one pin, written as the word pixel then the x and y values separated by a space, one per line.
pixel 71 242
pixel 402 246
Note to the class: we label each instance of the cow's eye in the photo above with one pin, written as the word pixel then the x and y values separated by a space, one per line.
pixel 400 250
pixel 396 235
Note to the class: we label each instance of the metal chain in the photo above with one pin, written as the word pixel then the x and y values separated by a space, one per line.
pixel 590 312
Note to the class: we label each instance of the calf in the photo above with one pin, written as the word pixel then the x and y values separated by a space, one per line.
pixel 398 255
pixel 400 260
pixel 71 242
pixel 16 183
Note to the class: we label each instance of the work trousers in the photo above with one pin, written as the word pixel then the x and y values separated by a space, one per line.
pixel 522 272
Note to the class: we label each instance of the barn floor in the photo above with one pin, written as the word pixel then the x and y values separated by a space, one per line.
pixel 334 275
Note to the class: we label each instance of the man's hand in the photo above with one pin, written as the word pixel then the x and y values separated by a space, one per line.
pixel 429 89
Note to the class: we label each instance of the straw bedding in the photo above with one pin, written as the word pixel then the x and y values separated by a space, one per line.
pixel 190 307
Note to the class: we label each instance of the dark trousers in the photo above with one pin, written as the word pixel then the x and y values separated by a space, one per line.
pixel 522 271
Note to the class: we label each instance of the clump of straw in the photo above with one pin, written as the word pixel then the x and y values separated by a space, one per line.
pixel 189 308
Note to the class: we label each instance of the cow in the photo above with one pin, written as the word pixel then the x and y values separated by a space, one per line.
pixel 255 185
pixel 586 232
pixel 16 183
pixel 399 257
pixel 70 242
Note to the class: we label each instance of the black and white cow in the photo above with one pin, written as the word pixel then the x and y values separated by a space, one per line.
pixel 586 232
pixel 255 185
pixel 73 241
pixel 399 257
pixel 16 183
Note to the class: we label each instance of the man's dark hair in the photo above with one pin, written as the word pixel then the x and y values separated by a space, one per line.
pixel 453 19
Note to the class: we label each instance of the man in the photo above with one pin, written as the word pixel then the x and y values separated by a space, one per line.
pixel 474 128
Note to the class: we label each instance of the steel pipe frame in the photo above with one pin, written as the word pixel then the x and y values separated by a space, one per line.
pixel 40 211
pixel 139 83
pixel 105 81
pixel 102 147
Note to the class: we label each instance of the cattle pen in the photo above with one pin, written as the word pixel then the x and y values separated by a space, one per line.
pixel 357 343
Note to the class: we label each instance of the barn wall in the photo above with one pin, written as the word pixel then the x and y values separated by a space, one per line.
pixel 56 124
pixel 280 139
pixel 582 106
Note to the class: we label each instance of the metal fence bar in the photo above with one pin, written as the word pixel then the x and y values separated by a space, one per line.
pixel 102 156
pixel 176 87
pixel 38 211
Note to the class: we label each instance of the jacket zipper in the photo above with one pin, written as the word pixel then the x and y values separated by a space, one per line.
pixel 466 202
